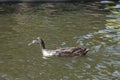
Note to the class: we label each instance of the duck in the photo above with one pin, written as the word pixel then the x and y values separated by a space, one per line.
pixel 61 52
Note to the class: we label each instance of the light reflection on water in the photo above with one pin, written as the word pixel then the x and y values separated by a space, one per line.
pixel 20 62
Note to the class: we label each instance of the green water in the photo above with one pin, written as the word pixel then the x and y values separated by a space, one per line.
pixel 92 29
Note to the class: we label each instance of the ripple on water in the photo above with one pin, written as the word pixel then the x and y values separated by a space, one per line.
pixel 8 77
pixel 116 74
pixel 66 78
pixel 69 65
pixel 4 76
pixel 74 60
pixel 90 59
pixel 17 79
pixel 87 66
pixel 31 75
pixel 100 66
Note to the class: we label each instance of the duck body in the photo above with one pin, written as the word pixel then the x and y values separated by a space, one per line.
pixel 66 52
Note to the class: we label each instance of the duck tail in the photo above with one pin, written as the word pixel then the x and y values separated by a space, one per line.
pixel 85 51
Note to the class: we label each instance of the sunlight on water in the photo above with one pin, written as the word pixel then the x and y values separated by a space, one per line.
pixel 104 37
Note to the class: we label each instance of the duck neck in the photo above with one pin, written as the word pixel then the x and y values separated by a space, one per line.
pixel 42 44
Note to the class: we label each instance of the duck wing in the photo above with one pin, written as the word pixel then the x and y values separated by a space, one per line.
pixel 72 51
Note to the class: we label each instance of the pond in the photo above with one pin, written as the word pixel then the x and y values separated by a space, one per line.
pixel 98 31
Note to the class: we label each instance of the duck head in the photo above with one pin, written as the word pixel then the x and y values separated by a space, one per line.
pixel 39 41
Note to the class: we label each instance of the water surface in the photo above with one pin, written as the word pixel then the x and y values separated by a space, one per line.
pixel 92 29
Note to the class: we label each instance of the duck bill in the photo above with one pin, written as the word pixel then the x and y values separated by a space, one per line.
pixel 29 44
